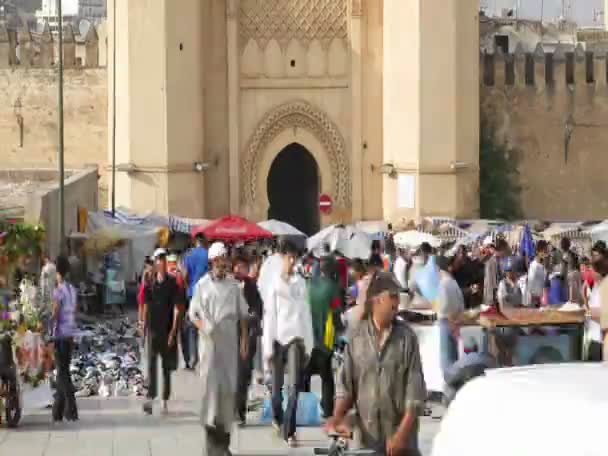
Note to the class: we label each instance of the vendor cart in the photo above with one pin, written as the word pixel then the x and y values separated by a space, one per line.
pixel 533 336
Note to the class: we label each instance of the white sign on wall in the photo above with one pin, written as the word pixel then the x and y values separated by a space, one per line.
pixel 406 191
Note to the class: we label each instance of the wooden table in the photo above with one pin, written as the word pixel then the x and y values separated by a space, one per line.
pixel 500 330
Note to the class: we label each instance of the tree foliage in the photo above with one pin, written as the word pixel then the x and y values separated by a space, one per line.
pixel 498 177
pixel 20 239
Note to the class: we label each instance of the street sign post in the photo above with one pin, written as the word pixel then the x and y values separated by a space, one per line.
pixel 325 204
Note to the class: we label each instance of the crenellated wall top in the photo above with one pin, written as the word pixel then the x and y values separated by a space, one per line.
pixel 24 48
pixel 562 66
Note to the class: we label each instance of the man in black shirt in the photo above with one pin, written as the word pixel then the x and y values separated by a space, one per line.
pixel 254 303
pixel 163 301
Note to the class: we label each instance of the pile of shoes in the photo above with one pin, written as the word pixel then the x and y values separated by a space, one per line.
pixel 106 361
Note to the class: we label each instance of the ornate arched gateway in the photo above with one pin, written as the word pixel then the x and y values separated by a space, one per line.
pixel 295 122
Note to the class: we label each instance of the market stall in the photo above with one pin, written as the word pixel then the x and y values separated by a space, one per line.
pixel 533 336
pixel 26 354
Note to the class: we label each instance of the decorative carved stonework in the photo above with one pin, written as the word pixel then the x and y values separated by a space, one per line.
pixel 304 20
pixel 357 8
pixel 294 115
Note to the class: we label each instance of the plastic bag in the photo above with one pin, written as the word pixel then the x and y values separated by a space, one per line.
pixel 308 413
pixel 427 279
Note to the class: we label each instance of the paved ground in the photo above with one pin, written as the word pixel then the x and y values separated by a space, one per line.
pixel 116 427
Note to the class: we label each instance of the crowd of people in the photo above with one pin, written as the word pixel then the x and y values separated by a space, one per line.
pixel 227 309
pixel 280 314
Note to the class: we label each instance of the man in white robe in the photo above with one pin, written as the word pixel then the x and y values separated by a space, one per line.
pixel 217 309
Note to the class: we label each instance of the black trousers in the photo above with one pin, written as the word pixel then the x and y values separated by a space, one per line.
pixel 217 442
pixel 157 347
pixel 320 364
pixel 244 376
pixel 64 404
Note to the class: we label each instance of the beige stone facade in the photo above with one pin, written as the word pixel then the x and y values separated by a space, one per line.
pixel 552 111
pixel 28 106
pixel 373 90
pixel 212 84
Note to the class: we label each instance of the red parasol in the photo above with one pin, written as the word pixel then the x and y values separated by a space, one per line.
pixel 232 228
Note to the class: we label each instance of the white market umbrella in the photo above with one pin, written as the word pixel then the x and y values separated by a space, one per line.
pixel 414 238
pixel 599 232
pixel 345 239
pixel 373 228
pixel 279 228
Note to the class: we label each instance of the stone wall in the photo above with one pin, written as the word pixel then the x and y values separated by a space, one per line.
pixel 552 108
pixel 28 106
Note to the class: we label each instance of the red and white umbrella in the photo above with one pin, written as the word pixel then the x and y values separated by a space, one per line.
pixel 232 228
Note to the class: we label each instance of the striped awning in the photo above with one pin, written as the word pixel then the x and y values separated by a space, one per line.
pixel 185 225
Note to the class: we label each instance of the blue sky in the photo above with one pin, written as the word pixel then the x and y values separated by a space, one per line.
pixel 582 10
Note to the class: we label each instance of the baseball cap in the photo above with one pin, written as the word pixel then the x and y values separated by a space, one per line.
pixel 158 253
pixel 381 282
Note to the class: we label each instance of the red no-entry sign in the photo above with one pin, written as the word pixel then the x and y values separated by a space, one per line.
pixel 325 204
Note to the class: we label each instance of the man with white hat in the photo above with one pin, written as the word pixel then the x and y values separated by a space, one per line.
pixel 217 308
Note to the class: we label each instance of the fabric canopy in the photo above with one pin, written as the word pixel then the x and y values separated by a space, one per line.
pixel 351 242
pixel 279 228
pixel 232 228
pixel 415 238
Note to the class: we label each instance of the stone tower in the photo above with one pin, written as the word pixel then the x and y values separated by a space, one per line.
pixel 431 107
pixel 381 96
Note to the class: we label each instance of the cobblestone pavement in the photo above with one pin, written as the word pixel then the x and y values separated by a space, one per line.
pixel 116 427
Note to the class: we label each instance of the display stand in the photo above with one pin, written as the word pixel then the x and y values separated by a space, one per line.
pixel 533 336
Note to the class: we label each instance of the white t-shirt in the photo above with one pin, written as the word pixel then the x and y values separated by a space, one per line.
pixel 537 276
pixel 287 315
pixel 399 271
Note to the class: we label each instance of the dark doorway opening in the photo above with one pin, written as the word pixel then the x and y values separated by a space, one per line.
pixel 502 42
pixel 293 189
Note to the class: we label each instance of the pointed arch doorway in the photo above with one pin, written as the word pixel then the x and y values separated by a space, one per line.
pixel 293 188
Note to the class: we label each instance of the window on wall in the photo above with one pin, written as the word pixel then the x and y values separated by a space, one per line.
pixel 589 68
pixel 549 73
pixel 488 69
pixel 529 69
pixel 509 70
pixel 570 68
pixel 501 42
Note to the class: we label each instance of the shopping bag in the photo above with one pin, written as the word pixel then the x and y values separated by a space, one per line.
pixel 427 279
pixel 308 413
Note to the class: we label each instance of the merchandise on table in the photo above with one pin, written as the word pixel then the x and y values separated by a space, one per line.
pixel 106 361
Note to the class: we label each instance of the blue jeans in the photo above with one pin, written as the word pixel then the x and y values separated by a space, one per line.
pixel 189 342
pixel 448 345
pixel 288 358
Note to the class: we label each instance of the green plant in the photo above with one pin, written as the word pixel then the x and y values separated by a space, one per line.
pixel 499 189
pixel 20 239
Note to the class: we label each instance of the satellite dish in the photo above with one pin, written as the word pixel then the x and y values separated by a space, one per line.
pixel 84 26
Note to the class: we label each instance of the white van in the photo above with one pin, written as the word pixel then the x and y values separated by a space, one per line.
pixel 549 409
